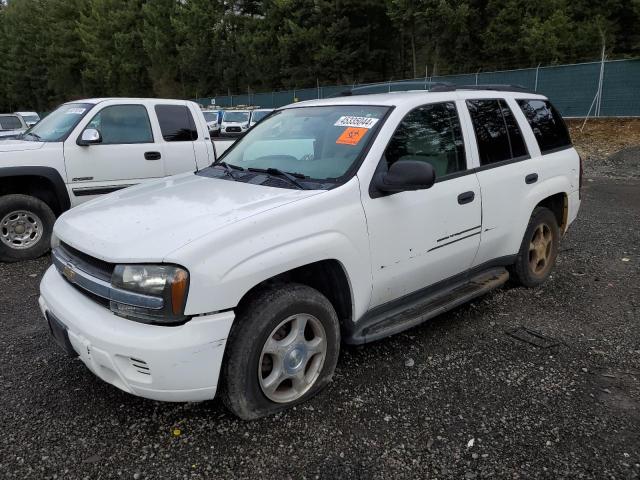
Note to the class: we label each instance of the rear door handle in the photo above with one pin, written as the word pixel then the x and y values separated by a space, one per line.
pixel 152 155
pixel 466 197
pixel 531 178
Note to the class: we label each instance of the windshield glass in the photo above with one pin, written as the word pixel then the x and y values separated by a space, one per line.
pixel 318 142
pixel 210 116
pixel 10 122
pixel 56 126
pixel 258 115
pixel 237 117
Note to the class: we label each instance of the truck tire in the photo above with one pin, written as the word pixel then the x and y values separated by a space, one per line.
pixel 282 350
pixel 539 249
pixel 26 224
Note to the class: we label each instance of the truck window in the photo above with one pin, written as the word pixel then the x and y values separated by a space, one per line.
pixel 10 122
pixel 123 124
pixel 431 134
pixel 547 125
pixel 176 123
pixel 497 132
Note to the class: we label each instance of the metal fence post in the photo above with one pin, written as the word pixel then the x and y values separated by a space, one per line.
pixel 535 88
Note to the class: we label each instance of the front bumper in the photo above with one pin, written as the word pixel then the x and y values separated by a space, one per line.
pixel 176 364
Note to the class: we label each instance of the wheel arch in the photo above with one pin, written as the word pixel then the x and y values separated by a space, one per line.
pixel 558 203
pixel 44 183
pixel 328 276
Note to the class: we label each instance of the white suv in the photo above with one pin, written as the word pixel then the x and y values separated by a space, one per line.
pixel 337 220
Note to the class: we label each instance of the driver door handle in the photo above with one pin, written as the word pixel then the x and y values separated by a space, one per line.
pixel 152 155
pixel 466 197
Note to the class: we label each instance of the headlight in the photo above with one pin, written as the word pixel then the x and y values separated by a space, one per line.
pixel 150 293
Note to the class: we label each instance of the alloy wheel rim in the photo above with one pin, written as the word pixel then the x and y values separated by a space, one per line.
pixel 540 248
pixel 292 358
pixel 21 229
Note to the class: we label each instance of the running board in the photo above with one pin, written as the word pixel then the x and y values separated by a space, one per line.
pixel 413 309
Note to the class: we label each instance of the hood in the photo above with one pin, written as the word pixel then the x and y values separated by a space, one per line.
pixel 149 221
pixel 15 145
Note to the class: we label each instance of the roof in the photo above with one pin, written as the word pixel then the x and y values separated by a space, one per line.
pixel 95 101
pixel 414 96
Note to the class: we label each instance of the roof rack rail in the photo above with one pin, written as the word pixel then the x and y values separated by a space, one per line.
pixel 496 87
pixel 367 89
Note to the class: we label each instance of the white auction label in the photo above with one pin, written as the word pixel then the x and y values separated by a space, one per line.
pixel 359 122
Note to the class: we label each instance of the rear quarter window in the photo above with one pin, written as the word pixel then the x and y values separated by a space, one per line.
pixel 547 125
pixel 176 123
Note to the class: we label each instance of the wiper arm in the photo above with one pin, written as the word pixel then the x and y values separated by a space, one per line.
pixel 228 169
pixel 291 176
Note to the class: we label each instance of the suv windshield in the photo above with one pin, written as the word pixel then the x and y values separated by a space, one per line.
pixel 236 117
pixel 320 143
pixel 56 126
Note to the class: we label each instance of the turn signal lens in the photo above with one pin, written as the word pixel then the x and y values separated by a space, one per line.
pixel 179 291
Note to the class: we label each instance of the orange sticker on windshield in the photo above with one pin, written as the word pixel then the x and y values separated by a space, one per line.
pixel 351 136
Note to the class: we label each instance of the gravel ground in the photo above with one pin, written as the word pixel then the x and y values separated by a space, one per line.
pixel 455 398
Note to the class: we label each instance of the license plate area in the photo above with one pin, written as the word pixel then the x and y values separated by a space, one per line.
pixel 61 336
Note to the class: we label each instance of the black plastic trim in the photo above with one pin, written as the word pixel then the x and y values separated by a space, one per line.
pixel 453 241
pixel 458 233
pixel 49 173
pixel 82 192
pixel 378 313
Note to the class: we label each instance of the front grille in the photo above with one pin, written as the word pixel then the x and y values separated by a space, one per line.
pixel 233 129
pixel 94 266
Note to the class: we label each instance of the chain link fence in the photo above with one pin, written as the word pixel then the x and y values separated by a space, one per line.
pixel 572 88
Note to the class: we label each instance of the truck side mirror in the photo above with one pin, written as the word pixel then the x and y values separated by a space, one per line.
pixel 90 136
pixel 406 175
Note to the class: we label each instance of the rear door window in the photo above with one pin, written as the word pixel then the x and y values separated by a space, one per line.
pixel 176 123
pixel 497 132
pixel 547 125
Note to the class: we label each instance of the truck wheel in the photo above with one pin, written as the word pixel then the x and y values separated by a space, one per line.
pixel 282 350
pixel 539 249
pixel 25 227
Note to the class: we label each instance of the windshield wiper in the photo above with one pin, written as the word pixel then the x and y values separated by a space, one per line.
pixel 34 135
pixel 291 176
pixel 228 169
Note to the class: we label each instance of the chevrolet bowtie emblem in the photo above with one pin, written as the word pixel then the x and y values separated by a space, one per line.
pixel 69 272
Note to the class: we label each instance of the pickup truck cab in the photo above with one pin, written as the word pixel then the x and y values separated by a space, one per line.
pixel 85 149
pixel 332 221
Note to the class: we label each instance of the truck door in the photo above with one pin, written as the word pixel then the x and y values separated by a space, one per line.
pixel 126 154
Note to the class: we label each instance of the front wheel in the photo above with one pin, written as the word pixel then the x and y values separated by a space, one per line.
pixel 539 249
pixel 26 224
pixel 282 350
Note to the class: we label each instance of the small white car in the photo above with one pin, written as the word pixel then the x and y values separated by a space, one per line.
pixel 332 221
pixel 30 118
pixel 88 148
pixel 11 125
pixel 234 122
pixel 258 114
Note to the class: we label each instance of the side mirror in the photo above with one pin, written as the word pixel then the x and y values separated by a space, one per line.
pixel 406 175
pixel 90 136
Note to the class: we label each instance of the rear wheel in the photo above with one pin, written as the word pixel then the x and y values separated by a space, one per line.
pixel 282 350
pixel 539 249
pixel 26 223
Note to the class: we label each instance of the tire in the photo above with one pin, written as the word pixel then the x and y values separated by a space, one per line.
pixel 246 369
pixel 26 224
pixel 539 249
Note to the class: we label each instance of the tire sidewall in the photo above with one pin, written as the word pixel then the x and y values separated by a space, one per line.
pixel 523 268
pixel 9 203
pixel 255 324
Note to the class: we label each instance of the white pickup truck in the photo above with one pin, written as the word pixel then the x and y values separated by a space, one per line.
pixel 88 148
pixel 330 221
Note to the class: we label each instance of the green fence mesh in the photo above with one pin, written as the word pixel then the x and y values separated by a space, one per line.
pixel 572 88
